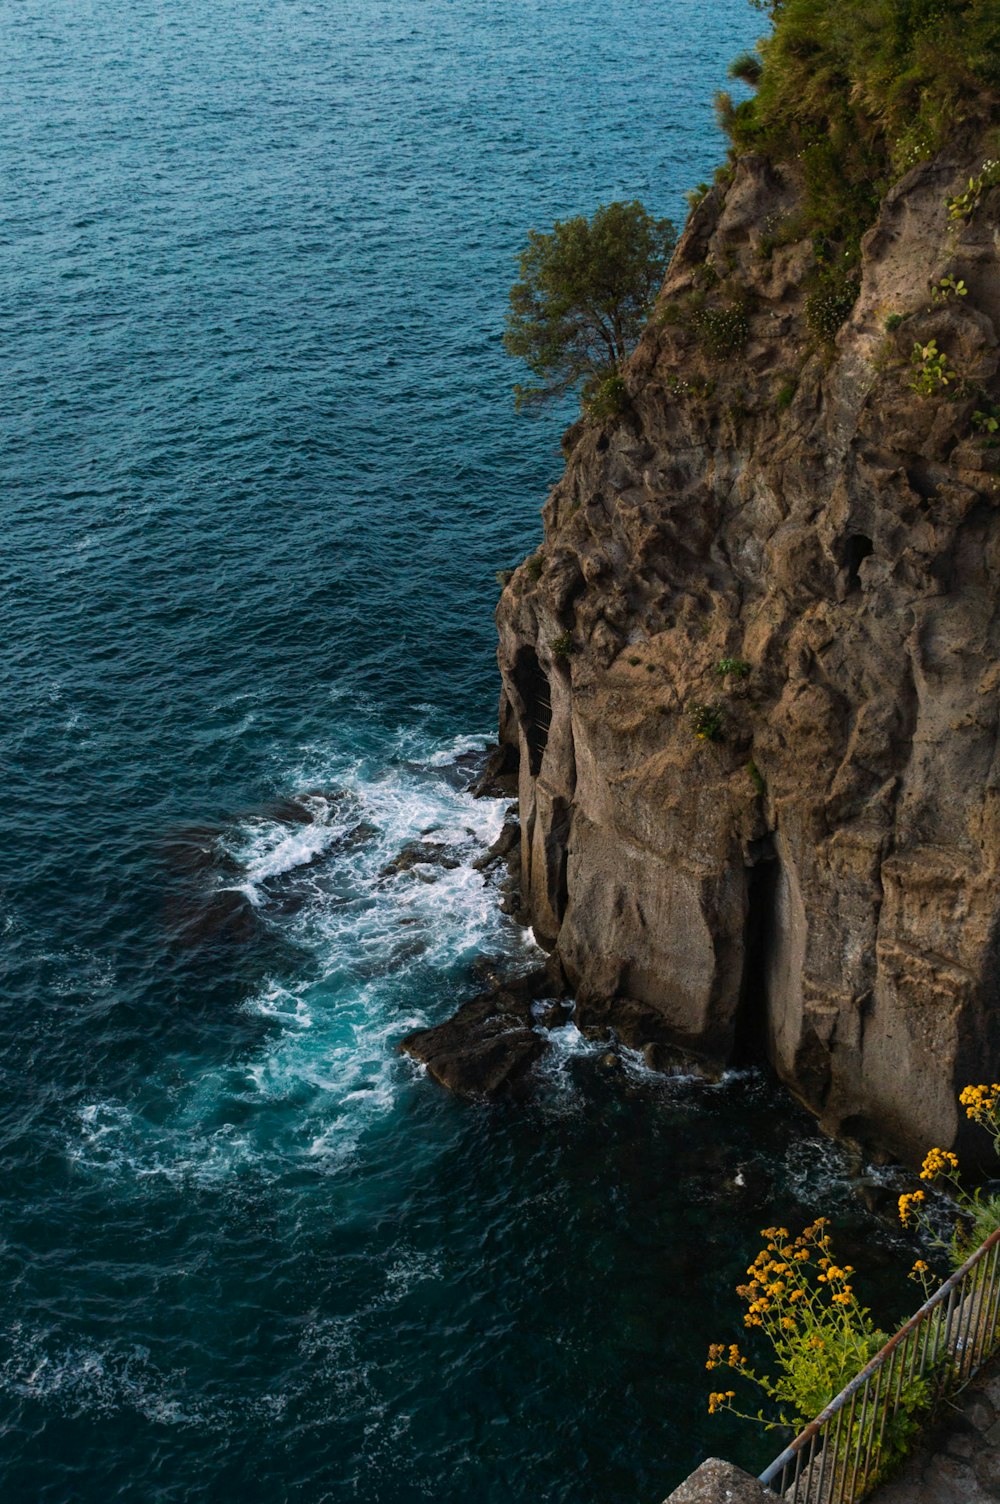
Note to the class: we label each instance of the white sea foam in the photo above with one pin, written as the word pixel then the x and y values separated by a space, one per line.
pixel 380 939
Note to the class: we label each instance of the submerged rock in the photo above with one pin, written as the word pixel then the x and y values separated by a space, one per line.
pixel 421 854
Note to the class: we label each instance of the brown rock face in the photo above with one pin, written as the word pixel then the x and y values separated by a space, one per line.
pixel 818 876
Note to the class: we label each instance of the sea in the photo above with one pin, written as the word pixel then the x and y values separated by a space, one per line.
pixel 260 468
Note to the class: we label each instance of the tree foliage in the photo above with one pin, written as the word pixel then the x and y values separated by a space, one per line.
pixel 585 291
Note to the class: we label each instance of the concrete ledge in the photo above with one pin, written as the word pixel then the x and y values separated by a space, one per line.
pixel 718 1482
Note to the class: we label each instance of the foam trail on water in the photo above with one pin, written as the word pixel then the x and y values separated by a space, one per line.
pixel 385 942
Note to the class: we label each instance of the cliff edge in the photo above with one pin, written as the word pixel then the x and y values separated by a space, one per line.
pixel 752 676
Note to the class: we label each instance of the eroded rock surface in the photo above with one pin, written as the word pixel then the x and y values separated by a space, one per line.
pixel 821 881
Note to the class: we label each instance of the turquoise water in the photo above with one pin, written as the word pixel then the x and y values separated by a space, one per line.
pixel 260 469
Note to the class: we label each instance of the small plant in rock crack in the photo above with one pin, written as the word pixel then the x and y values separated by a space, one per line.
pixel 964 205
pixel 986 420
pixel 732 668
pixel 893 322
pixel 563 645
pixel 948 288
pixel 756 778
pixel 932 372
pixel 706 721
pixel 534 567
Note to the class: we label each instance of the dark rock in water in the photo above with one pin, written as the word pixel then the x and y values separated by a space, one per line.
pixel 225 917
pixel 487 1047
pixel 555 1015
pixel 498 779
pixel 196 849
pixel 641 1027
pixel 489 971
pixel 506 842
pixel 421 853
pixel 878 1199
pixel 671 1061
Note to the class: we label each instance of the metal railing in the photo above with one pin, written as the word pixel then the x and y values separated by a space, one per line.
pixel 844 1452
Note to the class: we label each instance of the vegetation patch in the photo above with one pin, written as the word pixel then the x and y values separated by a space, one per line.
pixel 609 399
pixel 563 645
pixel 932 371
pixel 829 305
pixel 706 721
pixel 986 420
pixel 853 92
pixel 948 288
pixel 803 1317
pixel 722 331
pixel 962 206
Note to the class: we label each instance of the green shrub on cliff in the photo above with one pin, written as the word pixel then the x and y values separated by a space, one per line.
pixel 608 399
pixel 932 371
pixel 584 294
pixel 723 331
pixel 854 91
pixel 829 305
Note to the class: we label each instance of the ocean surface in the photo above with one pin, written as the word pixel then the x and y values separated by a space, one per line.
pixel 260 467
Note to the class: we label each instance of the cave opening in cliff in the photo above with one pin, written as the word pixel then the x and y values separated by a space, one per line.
pixel 535 695
pixel 857 549
pixel 750 1035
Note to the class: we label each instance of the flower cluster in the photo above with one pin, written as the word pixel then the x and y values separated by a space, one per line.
pixel 717 1355
pixel 721 1400
pixel 979 1101
pixel 909 1206
pixel 922 1275
pixel 801 1300
pixel 938 1162
pixel 978 1213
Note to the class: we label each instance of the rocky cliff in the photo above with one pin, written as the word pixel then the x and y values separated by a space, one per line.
pixel 752 675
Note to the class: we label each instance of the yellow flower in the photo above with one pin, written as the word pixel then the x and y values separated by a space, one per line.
pixel 937 1162
pixel 979 1100
pixel 908 1203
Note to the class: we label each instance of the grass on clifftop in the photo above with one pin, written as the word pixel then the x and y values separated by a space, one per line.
pixel 859 91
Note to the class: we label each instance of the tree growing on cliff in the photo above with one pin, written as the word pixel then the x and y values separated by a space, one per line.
pixel 585 291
